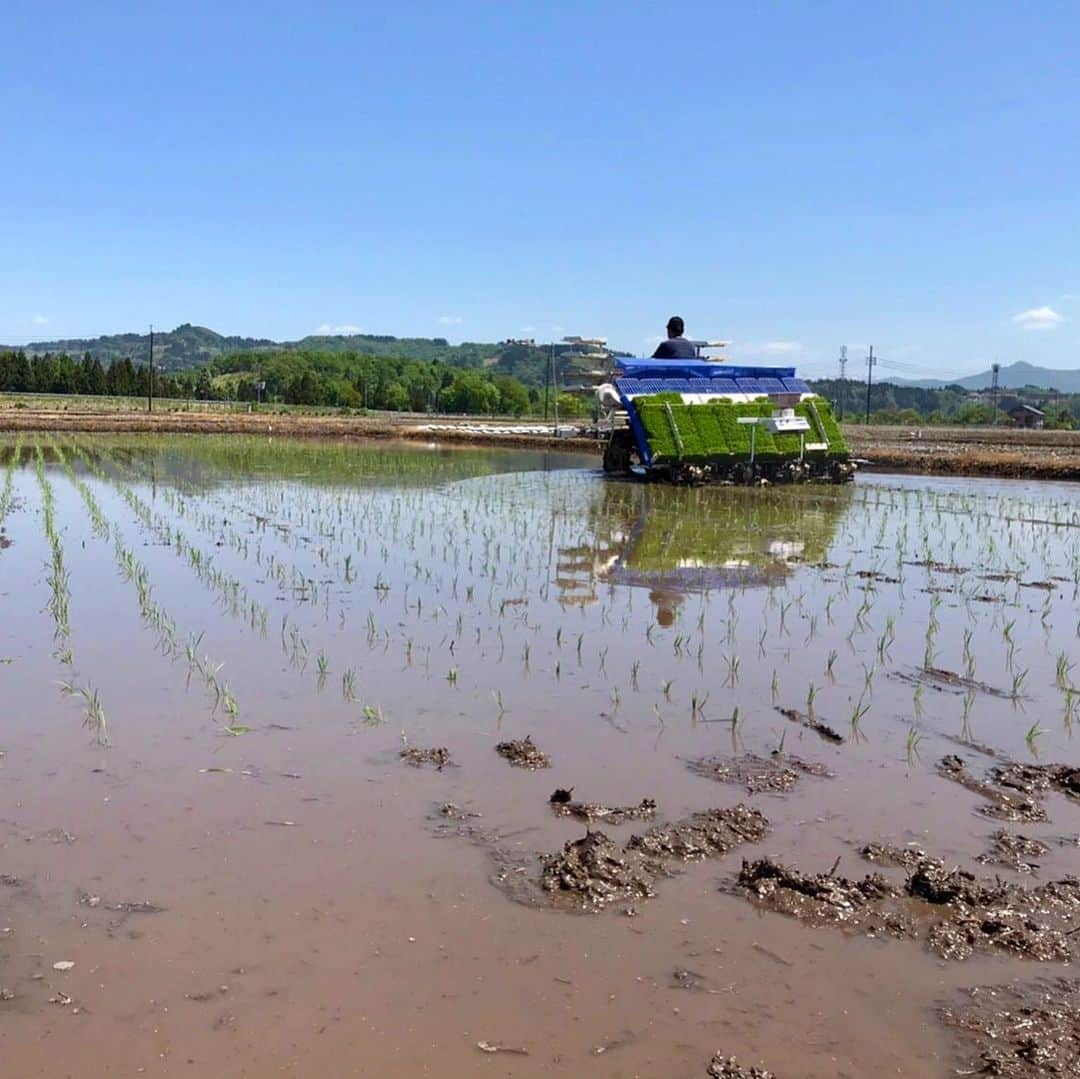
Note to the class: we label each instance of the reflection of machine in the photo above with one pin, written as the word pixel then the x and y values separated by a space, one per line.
pixel 679 541
pixel 702 420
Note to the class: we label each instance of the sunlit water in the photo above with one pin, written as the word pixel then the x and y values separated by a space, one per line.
pixel 213 650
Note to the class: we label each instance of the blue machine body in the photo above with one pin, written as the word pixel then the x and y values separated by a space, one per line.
pixel 641 377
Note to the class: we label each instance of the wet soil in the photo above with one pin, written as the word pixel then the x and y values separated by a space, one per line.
pixel 722 1067
pixel 1037 778
pixel 523 753
pixel 956 913
pixel 594 811
pixel 812 723
pixel 909 857
pixel 1019 1030
pixel 944 680
pixel 1007 805
pixel 776 774
pixel 347 932
pixel 594 871
pixel 1017 852
pixel 439 756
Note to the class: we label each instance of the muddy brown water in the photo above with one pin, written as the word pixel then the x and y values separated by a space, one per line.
pixel 313 922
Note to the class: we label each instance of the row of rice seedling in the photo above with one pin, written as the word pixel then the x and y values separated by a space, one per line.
pixel 169 641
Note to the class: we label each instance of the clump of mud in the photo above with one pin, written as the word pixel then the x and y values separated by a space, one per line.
pixel 595 811
pixel 888 854
pixel 523 753
pixel 1014 851
pixel 953 911
pixel 1037 778
pixel 949 681
pixel 722 1067
pixel 776 774
pixel 597 871
pixel 703 835
pixel 1008 805
pixel 821 899
pixel 438 756
pixel 812 723
pixel 594 871
pixel 1020 1030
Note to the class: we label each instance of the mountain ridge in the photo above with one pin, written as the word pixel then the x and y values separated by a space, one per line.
pixel 1013 376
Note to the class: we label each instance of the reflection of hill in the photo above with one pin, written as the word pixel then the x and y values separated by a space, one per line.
pixel 675 540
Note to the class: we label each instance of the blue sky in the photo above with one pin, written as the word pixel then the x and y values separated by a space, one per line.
pixel 792 176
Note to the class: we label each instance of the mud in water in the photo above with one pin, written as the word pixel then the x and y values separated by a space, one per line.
pixel 812 723
pixel 439 756
pixel 1014 851
pixel 594 811
pixel 941 679
pixel 1001 804
pixel 1020 1030
pixel 523 753
pixel 594 871
pixel 722 1067
pixel 909 857
pixel 956 913
pixel 776 774
pixel 215 858
pixel 1035 779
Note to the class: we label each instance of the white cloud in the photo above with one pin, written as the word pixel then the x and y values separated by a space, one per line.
pixel 450 320
pixel 1038 318
pixel 528 329
pixel 772 348
pixel 326 330
pixel 40 320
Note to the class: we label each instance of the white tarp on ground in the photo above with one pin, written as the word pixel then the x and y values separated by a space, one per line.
pixel 499 429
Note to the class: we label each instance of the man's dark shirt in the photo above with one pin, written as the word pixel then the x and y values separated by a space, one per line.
pixel 675 348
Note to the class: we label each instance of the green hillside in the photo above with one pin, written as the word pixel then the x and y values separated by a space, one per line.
pixel 190 346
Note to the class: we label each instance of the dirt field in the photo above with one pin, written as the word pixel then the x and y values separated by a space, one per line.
pixel 975 451
pixel 933 450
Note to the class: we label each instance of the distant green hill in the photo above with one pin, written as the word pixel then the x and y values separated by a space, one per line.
pixel 190 346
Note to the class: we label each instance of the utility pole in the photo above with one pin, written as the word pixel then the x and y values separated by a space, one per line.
pixel 547 376
pixel 843 380
pixel 995 370
pixel 555 390
pixel 150 374
pixel 870 361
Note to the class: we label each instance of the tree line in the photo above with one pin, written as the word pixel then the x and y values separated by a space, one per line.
pixel 351 380
pixel 61 373
pixel 891 404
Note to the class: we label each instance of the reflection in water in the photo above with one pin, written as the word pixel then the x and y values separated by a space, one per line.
pixel 675 541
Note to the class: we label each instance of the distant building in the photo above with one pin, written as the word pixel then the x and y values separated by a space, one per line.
pixel 528 341
pixel 1027 416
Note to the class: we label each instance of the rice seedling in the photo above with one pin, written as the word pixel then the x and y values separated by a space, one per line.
pixel 830 662
pixel 912 744
pixel 697 705
pixel 857 715
pixel 1063 671
pixel 732 665
pixel 94 716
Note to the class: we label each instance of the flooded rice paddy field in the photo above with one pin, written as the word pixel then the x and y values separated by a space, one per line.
pixel 333 759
